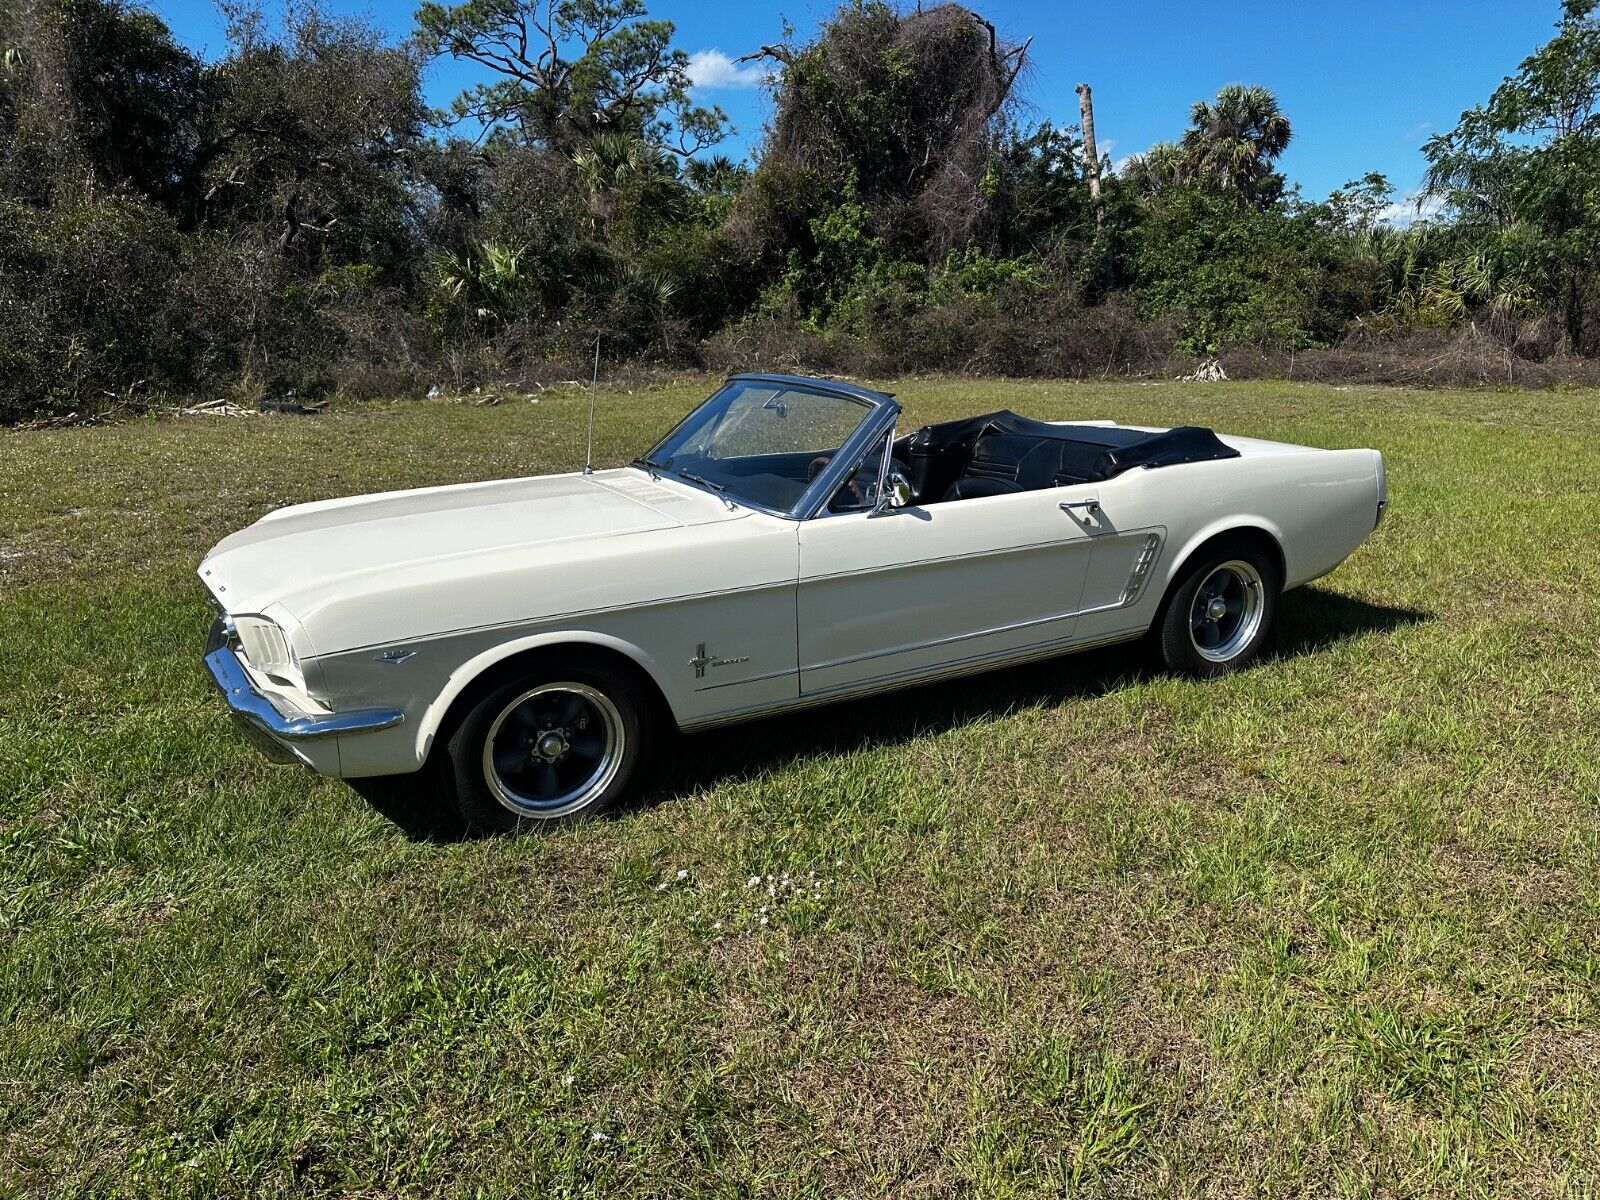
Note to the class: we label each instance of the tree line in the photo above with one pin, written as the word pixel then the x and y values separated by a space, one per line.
pixel 293 219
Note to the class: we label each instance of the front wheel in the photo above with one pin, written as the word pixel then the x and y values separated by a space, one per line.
pixel 1220 616
pixel 564 742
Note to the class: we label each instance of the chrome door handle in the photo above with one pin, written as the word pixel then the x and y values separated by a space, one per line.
pixel 1089 506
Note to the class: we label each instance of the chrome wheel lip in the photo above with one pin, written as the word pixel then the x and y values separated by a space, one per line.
pixel 580 795
pixel 1235 581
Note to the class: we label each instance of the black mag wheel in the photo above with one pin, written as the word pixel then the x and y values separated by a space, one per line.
pixel 1226 612
pixel 553 748
pixel 564 742
pixel 1218 618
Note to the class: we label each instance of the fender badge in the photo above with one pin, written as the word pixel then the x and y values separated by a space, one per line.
pixel 702 660
pixel 395 657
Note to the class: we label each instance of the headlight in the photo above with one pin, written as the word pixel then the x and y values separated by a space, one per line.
pixel 266 648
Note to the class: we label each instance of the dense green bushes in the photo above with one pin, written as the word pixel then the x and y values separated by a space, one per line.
pixel 91 303
pixel 292 218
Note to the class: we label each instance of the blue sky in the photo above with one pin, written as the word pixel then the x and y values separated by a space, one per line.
pixel 1364 83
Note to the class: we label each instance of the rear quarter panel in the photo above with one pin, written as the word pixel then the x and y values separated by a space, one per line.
pixel 1319 505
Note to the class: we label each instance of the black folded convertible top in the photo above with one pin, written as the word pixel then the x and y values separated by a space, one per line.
pixel 1184 444
pixel 1120 449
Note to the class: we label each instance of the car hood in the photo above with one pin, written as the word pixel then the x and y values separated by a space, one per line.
pixel 306 557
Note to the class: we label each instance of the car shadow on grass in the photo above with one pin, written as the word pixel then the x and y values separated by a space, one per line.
pixel 1310 619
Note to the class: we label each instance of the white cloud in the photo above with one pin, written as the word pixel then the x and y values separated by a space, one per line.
pixel 714 69
pixel 1414 207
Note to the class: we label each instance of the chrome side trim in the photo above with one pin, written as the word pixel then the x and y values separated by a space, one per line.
pixel 780 673
pixel 970 666
pixel 1141 569
pixel 950 640
pixel 250 706
pixel 533 624
pixel 912 564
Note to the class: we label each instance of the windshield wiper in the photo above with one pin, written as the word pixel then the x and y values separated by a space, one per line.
pixel 649 465
pixel 718 488
pixel 653 467
pixel 701 479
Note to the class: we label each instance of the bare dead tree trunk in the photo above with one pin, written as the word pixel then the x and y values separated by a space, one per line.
pixel 1091 153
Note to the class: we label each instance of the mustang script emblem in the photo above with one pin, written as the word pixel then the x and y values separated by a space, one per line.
pixel 702 660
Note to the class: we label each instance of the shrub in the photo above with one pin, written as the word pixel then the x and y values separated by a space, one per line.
pixel 88 307
pixel 1230 273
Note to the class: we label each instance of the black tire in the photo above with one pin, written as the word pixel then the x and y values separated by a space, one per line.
pixel 1218 618
pixel 523 756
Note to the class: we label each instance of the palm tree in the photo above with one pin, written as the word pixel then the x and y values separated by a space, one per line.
pixel 1233 141
pixel 618 170
pixel 717 174
pixel 1157 169
pixel 485 282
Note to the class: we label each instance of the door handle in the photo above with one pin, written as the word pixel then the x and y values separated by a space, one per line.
pixel 1089 506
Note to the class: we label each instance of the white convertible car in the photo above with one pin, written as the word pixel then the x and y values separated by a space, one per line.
pixel 529 640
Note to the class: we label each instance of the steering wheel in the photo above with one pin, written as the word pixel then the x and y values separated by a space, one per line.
pixel 820 464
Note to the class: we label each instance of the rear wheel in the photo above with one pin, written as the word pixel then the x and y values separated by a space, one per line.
pixel 564 742
pixel 1220 616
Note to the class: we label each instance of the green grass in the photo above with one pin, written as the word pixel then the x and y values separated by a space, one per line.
pixel 1328 927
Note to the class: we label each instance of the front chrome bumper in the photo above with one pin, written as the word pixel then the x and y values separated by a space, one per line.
pixel 269 729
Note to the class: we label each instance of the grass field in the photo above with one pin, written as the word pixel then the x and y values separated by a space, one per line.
pixel 1328 927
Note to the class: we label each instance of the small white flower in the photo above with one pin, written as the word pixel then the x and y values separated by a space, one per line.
pixel 764 920
pixel 597 1137
pixel 838 862
pixel 764 908
pixel 568 1080
pixel 683 873
pixel 753 881
pixel 716 924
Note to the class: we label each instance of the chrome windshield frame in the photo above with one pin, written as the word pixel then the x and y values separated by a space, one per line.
pixel 843 464
pixel 882 412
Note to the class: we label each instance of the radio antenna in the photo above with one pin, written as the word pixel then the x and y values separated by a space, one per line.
pixel 594 382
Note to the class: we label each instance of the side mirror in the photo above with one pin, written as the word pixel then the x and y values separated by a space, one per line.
pixel 896 493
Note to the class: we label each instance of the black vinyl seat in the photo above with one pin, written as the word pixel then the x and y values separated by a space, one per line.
pixel 978 486
pixel 1000 453
pixel 1006 462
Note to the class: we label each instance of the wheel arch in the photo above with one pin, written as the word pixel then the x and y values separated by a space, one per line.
pixel 503 662
pixel 1258 530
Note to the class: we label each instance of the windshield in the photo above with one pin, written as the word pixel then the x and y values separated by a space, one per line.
pixel 761 441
